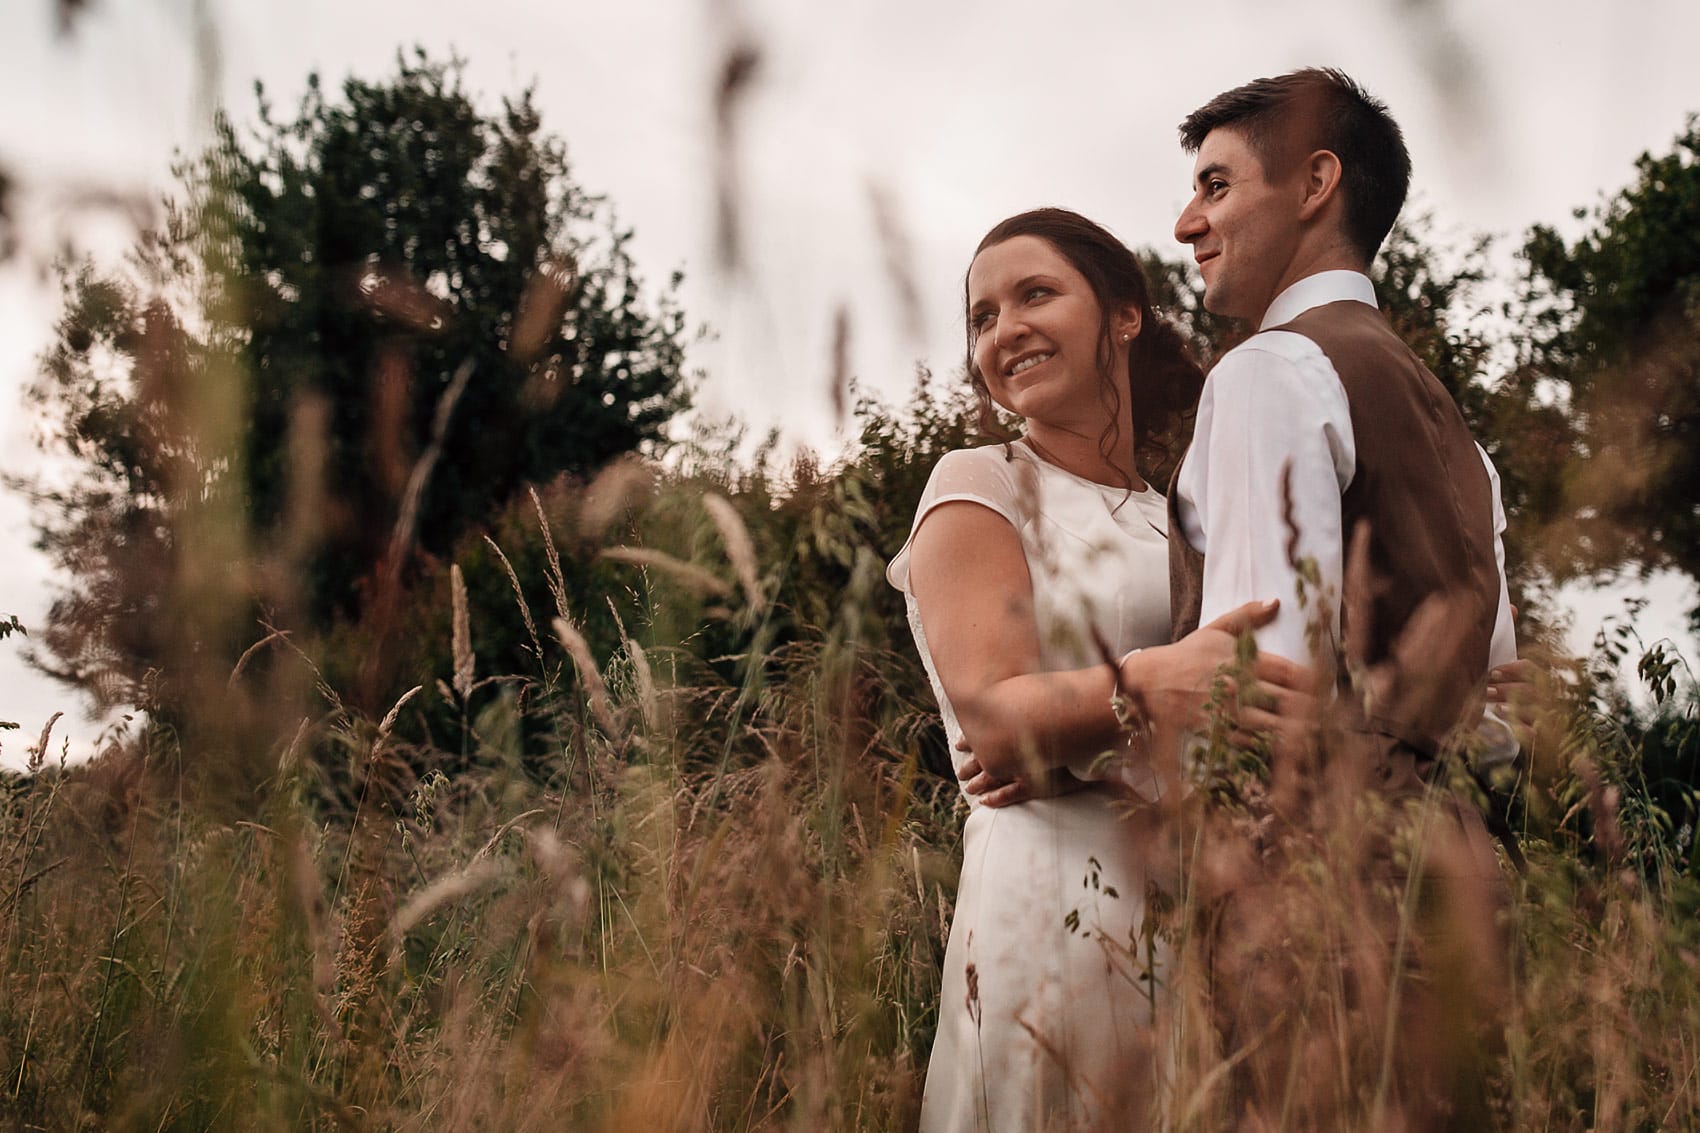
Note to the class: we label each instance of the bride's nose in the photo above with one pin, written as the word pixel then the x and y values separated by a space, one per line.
pixel 1010 328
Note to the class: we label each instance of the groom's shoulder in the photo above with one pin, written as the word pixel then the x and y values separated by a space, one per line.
pixel 1275 349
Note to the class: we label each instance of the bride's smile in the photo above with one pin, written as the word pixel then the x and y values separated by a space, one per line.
pixel 1027 362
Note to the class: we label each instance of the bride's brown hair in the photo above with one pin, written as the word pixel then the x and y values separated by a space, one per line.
pixel 1163 379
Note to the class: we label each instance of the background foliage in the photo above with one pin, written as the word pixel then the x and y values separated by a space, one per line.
pixel 408 301
pixel 1615 327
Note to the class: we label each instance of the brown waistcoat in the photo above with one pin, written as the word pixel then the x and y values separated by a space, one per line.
pixel 1421 586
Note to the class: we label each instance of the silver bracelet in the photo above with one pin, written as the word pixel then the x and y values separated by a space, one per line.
pixel 1129 714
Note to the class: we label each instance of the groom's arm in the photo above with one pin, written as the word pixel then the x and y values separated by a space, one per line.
pixel 1272 411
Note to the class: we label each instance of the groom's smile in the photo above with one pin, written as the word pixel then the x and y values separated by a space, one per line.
pixel 1202 258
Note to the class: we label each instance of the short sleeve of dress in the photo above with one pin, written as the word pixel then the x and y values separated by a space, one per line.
pixel 985 476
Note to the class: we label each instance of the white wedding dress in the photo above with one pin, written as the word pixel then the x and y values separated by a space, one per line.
pixel 1045 1021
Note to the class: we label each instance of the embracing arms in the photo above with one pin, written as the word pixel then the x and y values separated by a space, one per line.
pixel 971 584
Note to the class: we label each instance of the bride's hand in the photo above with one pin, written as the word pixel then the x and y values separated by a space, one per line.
pixel 990 791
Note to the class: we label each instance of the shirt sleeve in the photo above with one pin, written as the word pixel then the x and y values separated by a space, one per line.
pixel 1272 453
pixel 1504 645
pixel 1499 742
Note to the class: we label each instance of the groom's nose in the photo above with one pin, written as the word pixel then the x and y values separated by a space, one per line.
pixel 1191 224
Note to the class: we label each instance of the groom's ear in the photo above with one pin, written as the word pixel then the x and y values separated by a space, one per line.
pixel 1320 184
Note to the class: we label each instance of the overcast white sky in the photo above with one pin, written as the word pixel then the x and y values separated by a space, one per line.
pixel 958 114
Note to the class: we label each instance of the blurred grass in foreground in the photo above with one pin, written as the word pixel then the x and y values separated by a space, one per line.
pixel 654 890
pixel 706 904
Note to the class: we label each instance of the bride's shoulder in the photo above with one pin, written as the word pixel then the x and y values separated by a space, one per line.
pixel 1000 476
pixel 999 457
pixel 991 475
pixel 987 466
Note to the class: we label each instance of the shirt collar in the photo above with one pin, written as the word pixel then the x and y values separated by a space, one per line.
pixel 1314 291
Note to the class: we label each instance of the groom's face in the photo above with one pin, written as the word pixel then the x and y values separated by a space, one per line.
pixel 1243 227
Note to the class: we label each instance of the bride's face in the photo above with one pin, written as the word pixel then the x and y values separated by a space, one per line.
pixel 1036 329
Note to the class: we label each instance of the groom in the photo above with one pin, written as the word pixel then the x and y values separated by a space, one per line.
pixel 1322 437
pixel 1323 440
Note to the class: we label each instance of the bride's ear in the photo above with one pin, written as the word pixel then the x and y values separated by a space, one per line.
pixel 1126 325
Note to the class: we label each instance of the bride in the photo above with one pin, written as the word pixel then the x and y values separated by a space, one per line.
pixel 1028 565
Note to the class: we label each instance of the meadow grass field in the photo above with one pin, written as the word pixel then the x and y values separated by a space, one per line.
pixel 652 890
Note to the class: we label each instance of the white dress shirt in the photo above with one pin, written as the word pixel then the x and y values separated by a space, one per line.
pixel 1275 402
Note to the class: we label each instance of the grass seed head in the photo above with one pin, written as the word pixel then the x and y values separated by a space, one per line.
pixel 739 547
pixel 462 643
pixel 595 688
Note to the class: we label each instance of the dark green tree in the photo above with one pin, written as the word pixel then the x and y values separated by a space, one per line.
pixel 828 533
pixel 1614 335
pixel 363 328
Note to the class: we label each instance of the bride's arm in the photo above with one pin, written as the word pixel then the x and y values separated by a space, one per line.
pixel 975 597
pixel 971 584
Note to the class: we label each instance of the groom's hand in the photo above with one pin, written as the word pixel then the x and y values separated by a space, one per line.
pixel 1282 707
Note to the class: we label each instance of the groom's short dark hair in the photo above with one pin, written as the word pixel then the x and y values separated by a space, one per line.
pixel 1286 118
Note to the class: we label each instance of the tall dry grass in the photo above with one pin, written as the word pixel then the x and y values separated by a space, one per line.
pixel 720 908
pixel 721 905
